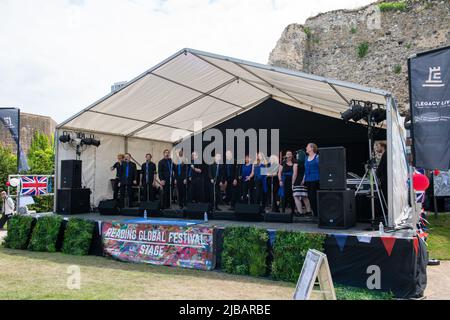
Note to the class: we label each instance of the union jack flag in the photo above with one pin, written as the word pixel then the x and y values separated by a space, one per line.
pixel 34 186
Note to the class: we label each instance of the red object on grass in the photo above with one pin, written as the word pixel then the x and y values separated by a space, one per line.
pixel 420 182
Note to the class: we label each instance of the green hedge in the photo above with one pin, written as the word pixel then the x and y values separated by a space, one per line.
pixel 78 236
pixel 19 232
pixel 289 252
pixel 245 251
pixel 45 233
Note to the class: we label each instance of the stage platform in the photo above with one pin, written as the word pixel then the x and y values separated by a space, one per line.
pixel 300 224
pixel 352 253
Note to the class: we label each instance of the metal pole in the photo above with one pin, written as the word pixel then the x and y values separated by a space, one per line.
pixel 435 206
pixel 18 141
pixel 372 195
pixel 56 175
pixel 19 188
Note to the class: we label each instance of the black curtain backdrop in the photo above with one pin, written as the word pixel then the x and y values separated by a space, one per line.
pixel 299 127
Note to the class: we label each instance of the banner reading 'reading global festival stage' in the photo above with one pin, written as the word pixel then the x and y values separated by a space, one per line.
pixel 429 76
pixel 170 245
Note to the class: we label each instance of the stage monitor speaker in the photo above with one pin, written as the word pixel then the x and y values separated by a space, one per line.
pixel 70 173
pixel 222 215
pixel 108 207
pixel 278 217
pixel 332 168
pixel 336 208
pixel 73 201
pixel 196 210
pixel 153 208
pixel 248 212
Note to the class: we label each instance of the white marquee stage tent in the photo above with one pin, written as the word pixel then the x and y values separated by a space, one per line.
pixel 157 108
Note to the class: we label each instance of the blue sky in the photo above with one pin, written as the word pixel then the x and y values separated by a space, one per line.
pixel 58 56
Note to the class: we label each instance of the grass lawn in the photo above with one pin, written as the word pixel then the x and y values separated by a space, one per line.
pixel 38 275
pixel 439 238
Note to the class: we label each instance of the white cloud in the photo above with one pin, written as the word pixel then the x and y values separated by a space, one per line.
pixel 57 57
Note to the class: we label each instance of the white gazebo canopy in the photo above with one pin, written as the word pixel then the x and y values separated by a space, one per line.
pixel 162 103
pixel 161 106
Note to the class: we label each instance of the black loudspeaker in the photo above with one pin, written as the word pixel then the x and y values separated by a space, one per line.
pixel 333 169
pixel 70 173
pixel 108 207
pixel 73 201
pixel 278 217
pixel 153 209
pixel 363 207
pixel 336 208
pixel 248 212
pixel 196 210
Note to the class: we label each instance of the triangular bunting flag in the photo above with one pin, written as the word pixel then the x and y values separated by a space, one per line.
pixel 416 245
pixel 340 240
pixel 364 238
pixel 388 243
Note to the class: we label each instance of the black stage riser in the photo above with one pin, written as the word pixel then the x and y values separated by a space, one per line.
pixel 73 201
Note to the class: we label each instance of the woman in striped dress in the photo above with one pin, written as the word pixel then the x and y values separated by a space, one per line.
pixel 299 189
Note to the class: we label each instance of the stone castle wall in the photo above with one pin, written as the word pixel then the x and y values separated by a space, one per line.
pixel 29 124
pixel 328 44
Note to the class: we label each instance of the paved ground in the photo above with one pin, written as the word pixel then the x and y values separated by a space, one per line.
pixel 438 286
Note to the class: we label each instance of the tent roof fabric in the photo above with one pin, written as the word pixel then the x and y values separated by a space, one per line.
pixel 164 102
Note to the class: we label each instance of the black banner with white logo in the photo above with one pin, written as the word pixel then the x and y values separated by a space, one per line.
pixel 429 81
pixel 10 118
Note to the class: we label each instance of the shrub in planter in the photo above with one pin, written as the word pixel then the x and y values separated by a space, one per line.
pixel 289 252
pixel 19 231
pixel 245 251
pixel 78 236
pixel 45 233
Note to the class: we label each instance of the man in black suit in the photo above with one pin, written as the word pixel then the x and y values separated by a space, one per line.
pixel 148 171
pixel 231 179
pixel 165 174
pixel 128 178
pixel 180 175
pixel 196 180
pixel 216 175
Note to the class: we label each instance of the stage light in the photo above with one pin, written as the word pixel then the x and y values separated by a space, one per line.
pixel 359 112
pixel 347 115
pixel 65 138
pixel 90 142
pixel 378 115
pixel 364 110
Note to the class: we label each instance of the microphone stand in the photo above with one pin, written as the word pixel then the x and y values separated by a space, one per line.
pixel 187 178
pixel 271 191
pixel 170 185
pixel 214 189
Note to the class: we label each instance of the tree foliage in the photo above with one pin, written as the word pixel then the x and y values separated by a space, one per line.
pixel 41 155
pixel 8 165
pixel 41 159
